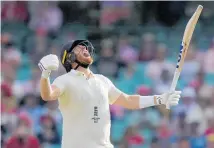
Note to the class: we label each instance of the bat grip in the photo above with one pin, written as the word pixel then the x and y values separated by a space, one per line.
pixel 174 83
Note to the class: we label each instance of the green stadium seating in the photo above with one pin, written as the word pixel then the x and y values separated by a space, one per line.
pixel 209 79
pixel 24 72
pixel 117 130
pixel 17 29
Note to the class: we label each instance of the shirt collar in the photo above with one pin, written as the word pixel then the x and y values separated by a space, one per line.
pixel 79 73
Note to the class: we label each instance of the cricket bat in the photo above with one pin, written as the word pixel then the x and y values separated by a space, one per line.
pixel 190 27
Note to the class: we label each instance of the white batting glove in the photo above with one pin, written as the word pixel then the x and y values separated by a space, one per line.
pixel 47 64
pixel 171 98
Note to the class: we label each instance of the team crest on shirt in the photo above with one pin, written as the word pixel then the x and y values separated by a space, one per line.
pixel 96 115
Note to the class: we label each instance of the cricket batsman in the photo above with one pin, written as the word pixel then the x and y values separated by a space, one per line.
pixel 84 97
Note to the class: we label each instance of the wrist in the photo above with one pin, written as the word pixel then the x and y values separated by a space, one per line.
pixel 158 100
pixel 46 74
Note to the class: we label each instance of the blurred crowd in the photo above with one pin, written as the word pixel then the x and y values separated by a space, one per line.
pixel 142 64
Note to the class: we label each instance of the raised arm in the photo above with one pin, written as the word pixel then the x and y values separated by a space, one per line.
pixel 47 64
pixel 48 92
pixel 136 101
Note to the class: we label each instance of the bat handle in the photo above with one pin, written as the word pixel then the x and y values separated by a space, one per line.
pixel 173 85
pixel 167 104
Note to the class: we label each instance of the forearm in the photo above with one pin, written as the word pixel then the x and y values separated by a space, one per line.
pixel 136 101
pixel 132 101
pixel 45 87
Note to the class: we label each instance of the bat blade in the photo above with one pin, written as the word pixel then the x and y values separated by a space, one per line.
pixel 188 36
pixel 190 27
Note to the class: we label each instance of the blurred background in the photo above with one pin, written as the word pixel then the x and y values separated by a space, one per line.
pixel 137 45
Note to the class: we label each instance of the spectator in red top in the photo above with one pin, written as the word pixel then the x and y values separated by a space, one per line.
pixel 7 104
pixel 14 10
pixel 198 81
pixel 8 111
pixel 131 138
pixel 22 137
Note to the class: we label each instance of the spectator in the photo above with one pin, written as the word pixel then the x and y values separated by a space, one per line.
pixel 48 135
pixel 209 113
pixel 206 100
pixel 194 112
pixel 164 133
pixel 11 54
pixel 198 81
pixel 13 57
pixel 131 138
pixel 155 143
pixel 191 66
pixel 209 133
pixel 197 140
pixel 164 82
pixel 6 38
pixel 8 111
pixel 32 86
pixel 39 45
pixel 48 18
pixel 156 66
pixel 108 59
pixel 127 53
pixel 14 11
pixel 22 137
pixel 148 47
pixel 183 143
pixel 33 109
pixel 112 11
pixel 180 128
pixel 127 81
pixel 208 63
pixel 51 109
pixel 11 61
pixel 144 90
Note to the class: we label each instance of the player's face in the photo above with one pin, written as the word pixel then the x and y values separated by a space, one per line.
pixel 83 54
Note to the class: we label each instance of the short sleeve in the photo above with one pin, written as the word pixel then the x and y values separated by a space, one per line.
pixel 113 92
pixel 59 83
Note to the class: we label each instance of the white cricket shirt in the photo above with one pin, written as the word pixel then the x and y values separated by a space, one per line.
pixel 84 105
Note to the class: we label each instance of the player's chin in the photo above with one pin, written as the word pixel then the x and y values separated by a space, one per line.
pixel 88 60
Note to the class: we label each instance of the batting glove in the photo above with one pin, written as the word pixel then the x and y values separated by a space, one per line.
pixel 47 64
pixel 171 98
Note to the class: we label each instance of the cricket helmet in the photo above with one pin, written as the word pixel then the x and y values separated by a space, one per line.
pixel 68 57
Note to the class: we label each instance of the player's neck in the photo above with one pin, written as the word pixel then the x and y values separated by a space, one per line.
pixel 86 71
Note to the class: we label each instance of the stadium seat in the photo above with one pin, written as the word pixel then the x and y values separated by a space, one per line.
pixel 117 130
pixel 55 146
pixel 209 79
pixel 24 72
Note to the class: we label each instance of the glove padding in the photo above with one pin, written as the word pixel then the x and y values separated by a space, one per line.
pixel 47 64
pixel 171 98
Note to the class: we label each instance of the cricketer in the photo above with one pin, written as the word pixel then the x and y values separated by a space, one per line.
pixel 84 97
